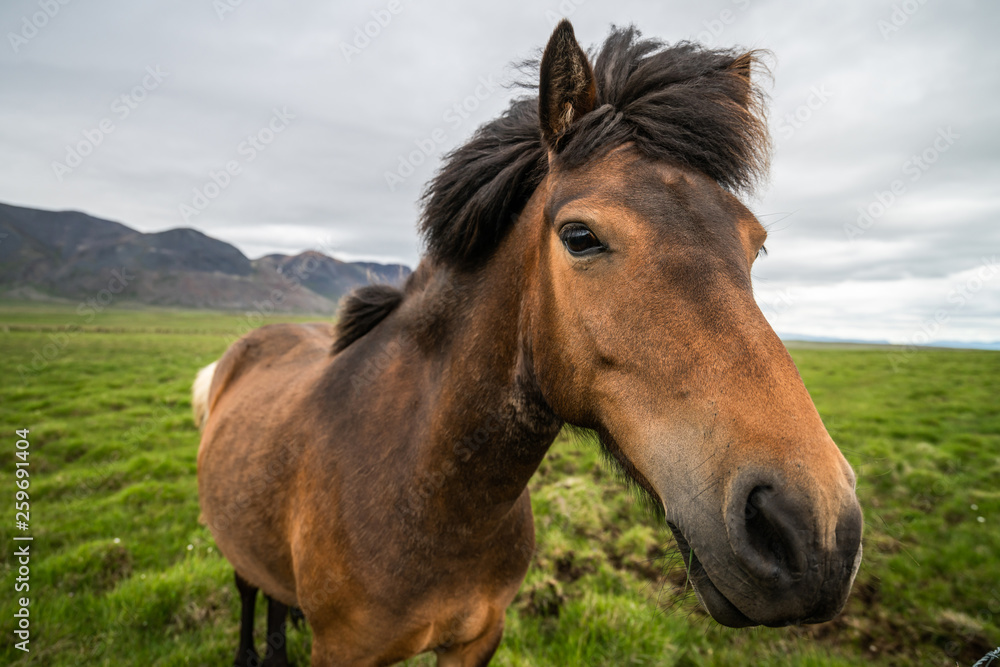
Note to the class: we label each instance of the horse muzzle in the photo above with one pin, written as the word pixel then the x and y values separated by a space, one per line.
pixel 782 555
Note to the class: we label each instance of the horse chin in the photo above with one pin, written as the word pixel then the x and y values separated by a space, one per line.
pixel 711 598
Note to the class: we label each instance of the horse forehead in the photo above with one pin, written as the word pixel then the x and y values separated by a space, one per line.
pixel 608 176
pixel 655 191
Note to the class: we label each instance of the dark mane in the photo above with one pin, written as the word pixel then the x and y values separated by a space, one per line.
pixel 681 103
pixel 361 310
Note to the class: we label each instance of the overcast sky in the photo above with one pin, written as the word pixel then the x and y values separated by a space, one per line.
pixel 877 106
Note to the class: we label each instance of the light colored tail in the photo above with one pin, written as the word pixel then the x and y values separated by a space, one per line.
pixel 199 394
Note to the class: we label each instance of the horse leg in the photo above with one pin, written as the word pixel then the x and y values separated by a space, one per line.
pixel 476 653
pixel 277 655
pixel 246 656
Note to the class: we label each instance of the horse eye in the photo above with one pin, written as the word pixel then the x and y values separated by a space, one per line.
pixel 580 241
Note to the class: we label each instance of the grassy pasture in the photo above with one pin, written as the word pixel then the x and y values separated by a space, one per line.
pixel 122 573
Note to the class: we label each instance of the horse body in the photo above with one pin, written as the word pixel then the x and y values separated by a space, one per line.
pixel 424 528
pixel 586 266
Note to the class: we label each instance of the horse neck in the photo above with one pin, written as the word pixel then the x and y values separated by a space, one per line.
pixel 489 424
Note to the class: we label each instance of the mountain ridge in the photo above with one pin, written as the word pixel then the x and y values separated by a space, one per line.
pixel 74 255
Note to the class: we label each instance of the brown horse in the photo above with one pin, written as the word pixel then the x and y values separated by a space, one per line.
pixel 587 263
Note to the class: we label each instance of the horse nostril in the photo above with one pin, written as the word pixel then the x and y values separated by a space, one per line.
pixel 795 551
pixel 774 543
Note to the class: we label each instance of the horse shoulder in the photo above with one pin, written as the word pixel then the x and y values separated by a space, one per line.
pixel 277 347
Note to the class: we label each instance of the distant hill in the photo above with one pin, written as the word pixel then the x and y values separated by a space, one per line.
pixel 792 339
pixel 71 255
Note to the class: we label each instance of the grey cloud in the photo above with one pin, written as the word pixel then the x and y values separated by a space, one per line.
pixel 885 97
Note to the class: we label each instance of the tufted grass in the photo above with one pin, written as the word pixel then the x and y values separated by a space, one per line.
pixel 123 574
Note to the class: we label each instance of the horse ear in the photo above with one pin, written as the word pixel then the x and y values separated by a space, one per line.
pixel 742 65
pixel 742 69
pixel 566 88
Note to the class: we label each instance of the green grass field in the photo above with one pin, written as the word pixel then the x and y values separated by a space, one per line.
pixel 123 574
